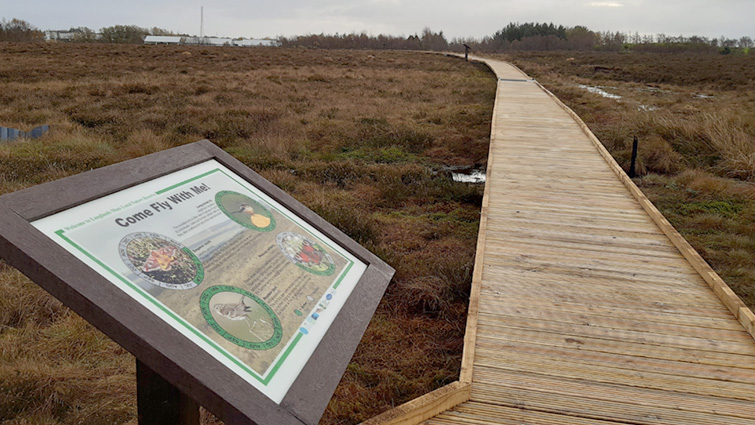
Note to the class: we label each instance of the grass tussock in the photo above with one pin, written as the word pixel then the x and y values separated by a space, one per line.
pixel 694 116
pixel 56 368
pixel 357 136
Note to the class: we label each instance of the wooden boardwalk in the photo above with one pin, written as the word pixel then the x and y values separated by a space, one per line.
pixel 587 308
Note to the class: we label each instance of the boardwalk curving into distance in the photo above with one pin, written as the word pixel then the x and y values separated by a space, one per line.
pixel 587 308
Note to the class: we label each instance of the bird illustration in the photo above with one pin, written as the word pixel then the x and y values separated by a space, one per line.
pixel 258 220
pixel 246 209
pixel 238 311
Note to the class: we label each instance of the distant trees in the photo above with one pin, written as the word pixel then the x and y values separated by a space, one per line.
pixel 339 41
pixel 538 36
pixel 83 35
pixel 129 34
pixel 611 41
pixel 160 31
pixel 430 40
pixel 427 40
pixel 517 32
pixel 581 38
pixel 528 36
pixel 514 36
pixel 542 36
pixel 19 30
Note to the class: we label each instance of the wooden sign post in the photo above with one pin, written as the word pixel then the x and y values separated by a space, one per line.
pixel 160 403
pixel 231 294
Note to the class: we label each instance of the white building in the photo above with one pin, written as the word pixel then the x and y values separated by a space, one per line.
pixel 163 39
pixel 243 42
pixel 209 41
pixel 59 35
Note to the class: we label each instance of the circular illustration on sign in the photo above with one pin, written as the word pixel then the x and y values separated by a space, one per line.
pixel 305 253
pixel 241 317
pixel 245 211
pixel 161 260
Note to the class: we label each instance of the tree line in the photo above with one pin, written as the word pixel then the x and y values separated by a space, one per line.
pixel 127 34
pixel 528 36
pixel 426 40
pixel 514 36
pixel 20 30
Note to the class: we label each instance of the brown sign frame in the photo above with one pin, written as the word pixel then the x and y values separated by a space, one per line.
pixel 157 345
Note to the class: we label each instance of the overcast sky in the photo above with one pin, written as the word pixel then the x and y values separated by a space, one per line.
pixel 456 18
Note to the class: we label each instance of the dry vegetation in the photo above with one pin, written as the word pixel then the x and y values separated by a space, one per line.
pixel 360 137
pixel 694 115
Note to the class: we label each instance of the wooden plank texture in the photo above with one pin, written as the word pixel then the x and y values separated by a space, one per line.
pixel 591 309
pixel 424 407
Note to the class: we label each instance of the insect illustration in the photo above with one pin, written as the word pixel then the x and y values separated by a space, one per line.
pixel 161 259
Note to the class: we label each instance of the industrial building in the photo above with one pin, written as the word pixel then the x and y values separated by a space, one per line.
pixel 209 41
pixel 163 39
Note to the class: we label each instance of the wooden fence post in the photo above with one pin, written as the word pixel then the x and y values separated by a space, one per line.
pixel 632 171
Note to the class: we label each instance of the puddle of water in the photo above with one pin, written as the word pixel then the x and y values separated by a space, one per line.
pixel 599 91
pixel 472 175
pixel 7 133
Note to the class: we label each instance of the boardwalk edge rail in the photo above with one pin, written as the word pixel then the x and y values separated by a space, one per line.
pixel 424 407
pixel 735 305
pixel 457 392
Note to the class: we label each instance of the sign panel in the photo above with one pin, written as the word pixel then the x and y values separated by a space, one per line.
pixel 224 264
pixel 222 285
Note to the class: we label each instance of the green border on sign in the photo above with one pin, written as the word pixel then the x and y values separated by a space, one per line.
pixel 200 267
pixel 204 305
pixel 179 320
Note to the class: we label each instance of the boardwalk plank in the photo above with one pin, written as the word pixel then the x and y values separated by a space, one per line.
pixel 587 311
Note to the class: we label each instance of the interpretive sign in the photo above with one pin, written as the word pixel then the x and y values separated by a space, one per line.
pixel 223 263
pixel 263 301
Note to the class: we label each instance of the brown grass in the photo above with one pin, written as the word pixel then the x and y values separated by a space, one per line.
pixel 695 119
pixel 358 136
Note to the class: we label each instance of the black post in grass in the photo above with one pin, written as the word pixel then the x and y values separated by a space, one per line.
pixel 160 403
pixel 466 52
pixel 632 171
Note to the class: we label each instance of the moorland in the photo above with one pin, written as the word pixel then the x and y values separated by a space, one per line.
pixel 363 138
